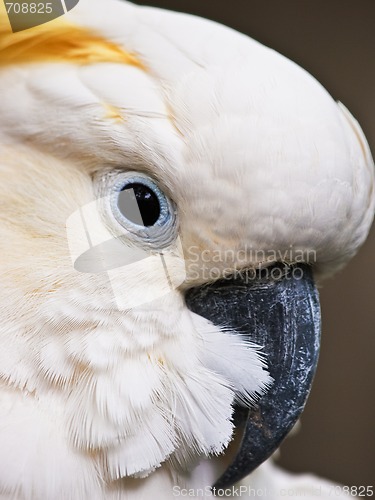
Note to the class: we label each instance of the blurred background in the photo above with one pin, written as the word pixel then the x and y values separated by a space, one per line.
pixel 335 41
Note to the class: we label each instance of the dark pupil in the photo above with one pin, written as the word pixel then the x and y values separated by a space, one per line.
pixel 139 204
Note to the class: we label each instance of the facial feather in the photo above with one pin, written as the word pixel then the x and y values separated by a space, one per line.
pixel 122 378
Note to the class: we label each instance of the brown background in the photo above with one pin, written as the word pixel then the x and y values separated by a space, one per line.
pixel 335 41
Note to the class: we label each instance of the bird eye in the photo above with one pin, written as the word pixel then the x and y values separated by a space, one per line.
pixel 139 204
pixel 142 208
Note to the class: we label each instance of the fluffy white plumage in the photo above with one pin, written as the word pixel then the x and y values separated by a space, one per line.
pixel 255 154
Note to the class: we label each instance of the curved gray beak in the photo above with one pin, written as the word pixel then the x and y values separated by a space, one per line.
pixel 279 310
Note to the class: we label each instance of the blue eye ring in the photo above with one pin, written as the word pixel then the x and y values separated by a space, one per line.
pixel 162 232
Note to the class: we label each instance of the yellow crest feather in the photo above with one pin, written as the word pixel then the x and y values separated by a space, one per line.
pixel 58 41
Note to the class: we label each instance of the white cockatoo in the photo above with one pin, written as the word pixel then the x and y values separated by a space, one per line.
pixel 171 190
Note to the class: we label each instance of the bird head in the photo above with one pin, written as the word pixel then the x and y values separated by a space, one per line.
pixel 171 191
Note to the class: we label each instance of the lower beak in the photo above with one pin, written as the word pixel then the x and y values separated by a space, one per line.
pixel 279 310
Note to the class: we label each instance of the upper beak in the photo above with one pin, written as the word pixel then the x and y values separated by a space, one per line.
pixel 278 310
